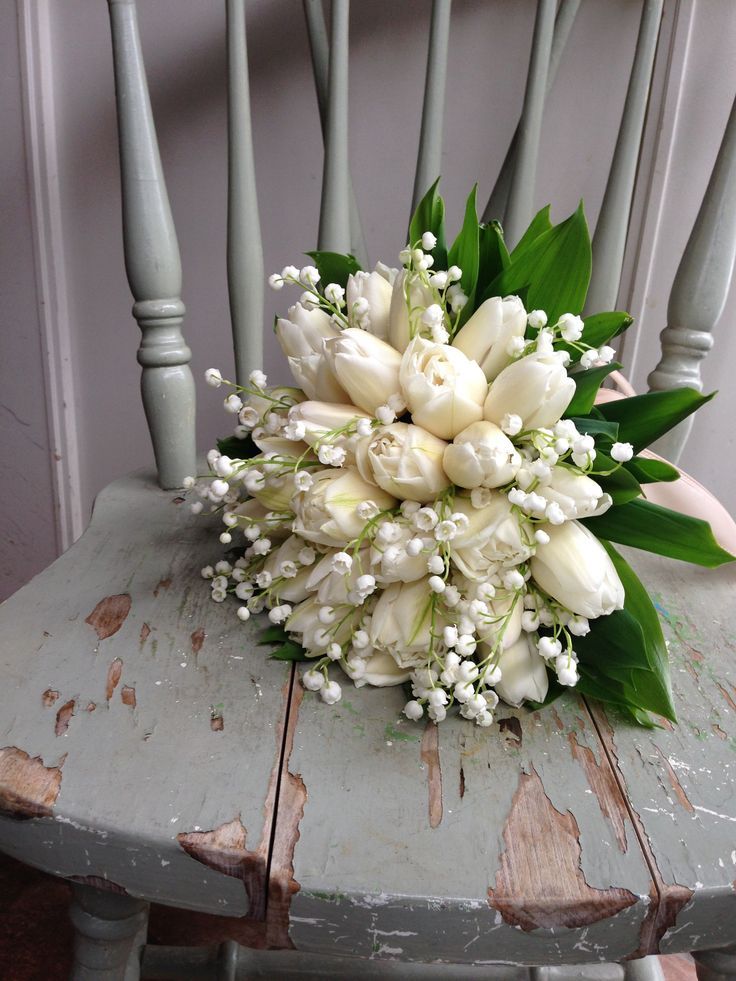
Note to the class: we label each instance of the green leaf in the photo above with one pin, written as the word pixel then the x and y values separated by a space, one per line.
pixel 334 267
pixel 290 651
pixel 552 273
pixel 621 485
pixel 465 254
pixel 648 471
pixel 587 384
pixel 430 217
pixel 539 224
pixel 663 531
pixel 644 418
pixel 238 449
pixel 589 425
pixel 493 256
pixel 599 329
pixel 273 635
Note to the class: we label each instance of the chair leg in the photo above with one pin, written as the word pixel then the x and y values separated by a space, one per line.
pixel 716 965
pixel 643 969
pixel 109 931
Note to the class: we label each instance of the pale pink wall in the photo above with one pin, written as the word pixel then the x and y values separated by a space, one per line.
pixel 27 528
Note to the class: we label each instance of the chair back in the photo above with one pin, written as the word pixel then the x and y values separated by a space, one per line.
pixel 151 251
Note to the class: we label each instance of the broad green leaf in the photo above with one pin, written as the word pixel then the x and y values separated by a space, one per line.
pixel 493 256
pixel 587 384
pixel 599 329
pixel 621 485
pixel 553 272
pixel 648 471
pixel 273 635
pixel 290 651
pixel 596 427
pixel 430 217
pixel 638 603
pixel 539 224
pixel 334 267
pixel 653 528
pixel 644 418
pixel 238 449
pixel 465 254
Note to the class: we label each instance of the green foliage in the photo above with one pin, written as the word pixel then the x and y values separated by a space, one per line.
pixel 643 418
pixel 648 471
pixel 623 660
pixel 334 267
pixel 552 272
pixel 430 217
pixel 539 224
pixel 663 531
pixel 587 384
pixel 493 256
pixel 465 253
pixel 287 649
pixel 600 328
pixel 238 449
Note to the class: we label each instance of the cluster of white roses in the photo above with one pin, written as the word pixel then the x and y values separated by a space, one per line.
pixel 411 513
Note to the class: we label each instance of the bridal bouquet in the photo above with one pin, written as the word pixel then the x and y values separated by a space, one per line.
pixel 434 504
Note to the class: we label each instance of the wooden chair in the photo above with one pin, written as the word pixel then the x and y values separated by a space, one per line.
pixel 151 754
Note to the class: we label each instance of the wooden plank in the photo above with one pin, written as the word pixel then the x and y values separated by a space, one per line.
pixel 140 727
pixel 457 843
pixel 681 781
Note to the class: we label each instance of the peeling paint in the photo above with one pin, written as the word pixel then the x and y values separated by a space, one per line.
pixel 113 677
pixel 63 717
pixel 675 783
pixel 109 615
pixel 602 782
pixel 431 758
pixel 511 726
pixel 162 584
pixel 198 638
pixel 49 697
pixel 540 882
pixel 144 634
pixel 127 695
pixel 28 788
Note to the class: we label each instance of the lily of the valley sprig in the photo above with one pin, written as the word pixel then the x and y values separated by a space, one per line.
pixel 433 505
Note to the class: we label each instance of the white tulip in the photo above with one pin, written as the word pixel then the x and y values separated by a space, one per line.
pixel 283 447
pixel 275 493
pixel 481 456
pixel 373 314
pixel 365 366
pixel 304 622
pixel 328 512
pixel 523 674
pixel 402 622
pixel 575 569
pixel 392 563
pixel 444 390
pixel 295 589
pixel 493 537
pixel 535 388
pixel 320 418
pixel 405 461
pixel 302 337
pixel 419 298
pixel 382 671
pixel 486 335
pixel 577 495
pixel 505 631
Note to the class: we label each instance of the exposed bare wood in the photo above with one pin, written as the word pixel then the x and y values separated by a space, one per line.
pixel 109 615
pixel 28 788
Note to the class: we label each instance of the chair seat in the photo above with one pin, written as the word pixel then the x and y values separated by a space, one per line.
pixel 149 746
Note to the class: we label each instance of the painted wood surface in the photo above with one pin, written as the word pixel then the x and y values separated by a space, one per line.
pixel 140 728
pixel 147 745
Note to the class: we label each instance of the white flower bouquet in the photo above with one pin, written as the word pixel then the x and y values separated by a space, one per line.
pixel 434 504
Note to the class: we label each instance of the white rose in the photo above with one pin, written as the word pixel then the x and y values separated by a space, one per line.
pixel 481 456
pixel 575 569
pixel 302 337
pixel 578 496
pixel 486 335
pixel 420 297
pixel 366 367
pixel 402 622
pixel 382 671
pixel 493 537
pixel 328 511
pixel 536 388
pixel 405 461
pixel 444 390
pixel 523 674
pixel 373 314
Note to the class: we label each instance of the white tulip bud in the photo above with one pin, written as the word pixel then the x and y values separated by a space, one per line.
pixel 373 313
pixel 405 461
pixel 536 388
pixel 486 335
pixel 481 455
pixel 523 674
pixel 365 366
